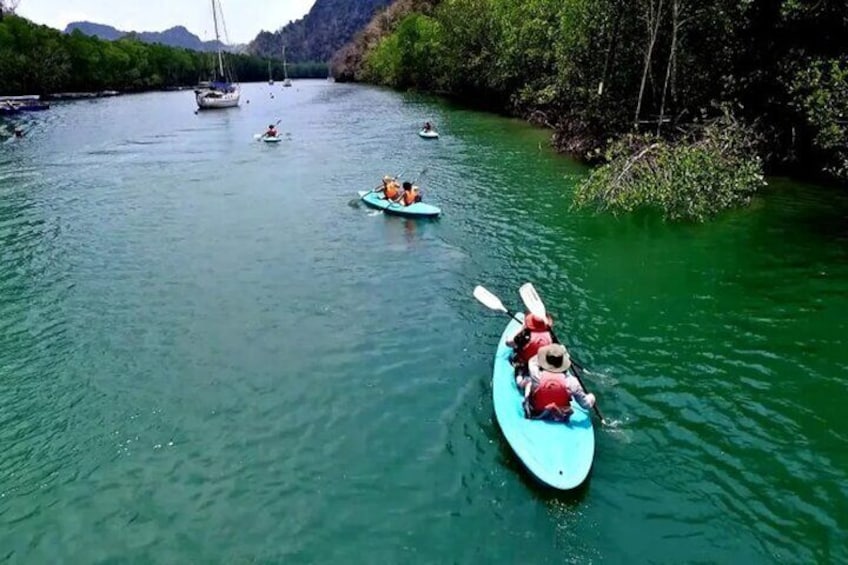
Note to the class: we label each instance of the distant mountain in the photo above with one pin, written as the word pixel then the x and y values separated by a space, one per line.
pixel 97 30
pixel 315 37
pixel 174 37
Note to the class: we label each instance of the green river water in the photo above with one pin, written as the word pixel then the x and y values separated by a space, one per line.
pixel 210 352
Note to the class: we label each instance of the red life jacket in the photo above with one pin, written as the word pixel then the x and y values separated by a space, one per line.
pixel 540 336
pixel 551 394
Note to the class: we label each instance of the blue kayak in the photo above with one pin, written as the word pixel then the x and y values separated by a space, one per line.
pixel 417 210
pixel 559 455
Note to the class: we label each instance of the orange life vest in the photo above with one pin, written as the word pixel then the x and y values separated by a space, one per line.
pixel 410 196
pixel 391 190
pixel 551 394
pixel 539 337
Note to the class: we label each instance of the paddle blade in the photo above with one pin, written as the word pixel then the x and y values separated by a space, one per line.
pixel 532 301
pixel 488 299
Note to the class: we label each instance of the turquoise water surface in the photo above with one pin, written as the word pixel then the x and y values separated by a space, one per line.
pixel 210 352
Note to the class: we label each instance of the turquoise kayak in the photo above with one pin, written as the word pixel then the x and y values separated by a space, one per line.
pixel 559 455
pixel 417 210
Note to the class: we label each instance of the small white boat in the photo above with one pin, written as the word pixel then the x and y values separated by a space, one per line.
pixel 429 134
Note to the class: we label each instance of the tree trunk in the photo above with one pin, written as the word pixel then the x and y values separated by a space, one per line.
pixel 653 28
pixel 613 43
pixel 672 55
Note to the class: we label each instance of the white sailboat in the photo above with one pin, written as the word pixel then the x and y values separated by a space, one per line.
pixel 270 76
pixel 221 92
pixel 286 80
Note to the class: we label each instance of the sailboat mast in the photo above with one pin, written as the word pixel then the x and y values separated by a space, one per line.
pixel 285 69
pixel 218 40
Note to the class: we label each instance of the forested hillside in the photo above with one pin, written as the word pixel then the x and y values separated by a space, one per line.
pixel 40 60
pixel 775 74
pixel 315 37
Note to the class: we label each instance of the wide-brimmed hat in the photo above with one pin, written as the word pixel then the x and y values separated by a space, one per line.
pixel 554 358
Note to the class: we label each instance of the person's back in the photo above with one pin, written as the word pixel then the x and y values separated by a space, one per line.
pixel 390 189
pixel 550 399
pixel 534 334
pixel 549 389
pixel 410 194
pixel 272 131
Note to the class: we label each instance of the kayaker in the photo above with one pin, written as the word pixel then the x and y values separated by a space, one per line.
pixel 390 188
pixel 534 334
pixel 427 126
pixel 272 131
pixel 19 132
pixel 410 194
pixel 549 388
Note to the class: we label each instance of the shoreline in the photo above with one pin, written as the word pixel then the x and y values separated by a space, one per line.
pixel 64 96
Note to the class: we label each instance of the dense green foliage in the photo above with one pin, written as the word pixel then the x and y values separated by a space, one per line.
pixel 40 60
pixel 315 37
pixel 708 170
pixel 598 69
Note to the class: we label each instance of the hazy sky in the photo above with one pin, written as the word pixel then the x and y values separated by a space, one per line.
pixel 244 18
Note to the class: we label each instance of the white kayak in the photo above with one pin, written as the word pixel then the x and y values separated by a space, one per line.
pixel 432 134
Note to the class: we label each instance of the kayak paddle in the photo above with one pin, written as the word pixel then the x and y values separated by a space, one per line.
pixel 492 302
pixel 534 304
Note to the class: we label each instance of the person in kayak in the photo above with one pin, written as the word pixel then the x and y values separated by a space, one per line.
pixel 534 334
pixel 410 194
pixel 19 132
pixel 549 388
pixel 272 131
pixel 390 188
pixel 427 126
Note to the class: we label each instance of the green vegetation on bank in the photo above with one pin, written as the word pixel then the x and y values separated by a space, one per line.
pixel 40 60
pixel 597 70
pixel 711 168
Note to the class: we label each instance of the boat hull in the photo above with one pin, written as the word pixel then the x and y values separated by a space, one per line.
pixel 428 134
pixel 417 210
pixel 559 455
pixel 215 100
